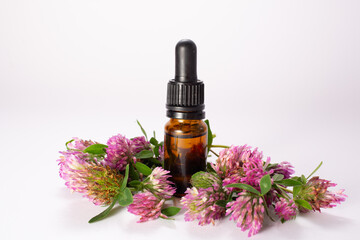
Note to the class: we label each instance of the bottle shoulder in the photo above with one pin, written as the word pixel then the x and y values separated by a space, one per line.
pixel 185 127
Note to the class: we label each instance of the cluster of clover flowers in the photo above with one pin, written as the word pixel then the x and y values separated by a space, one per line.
pixel 240 183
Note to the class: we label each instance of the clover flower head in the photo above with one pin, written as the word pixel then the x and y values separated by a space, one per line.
pixel 230 160
pixel 138 144
pixel 79 144
pixel 284 168
pixel 158 183
pixel 118 152
pixel 200 204
pixel 147 206
pixel 205 180
pixel 248 212
pixel 316 193
pixel 97 182
pixel 253 168
pixel 285 209
pixel 241 164
pixel 121 151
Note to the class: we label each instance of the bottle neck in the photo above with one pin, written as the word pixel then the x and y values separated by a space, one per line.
pixel 182 121
pixel 197 115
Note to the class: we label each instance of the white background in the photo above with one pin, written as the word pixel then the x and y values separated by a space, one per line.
pixel 280 75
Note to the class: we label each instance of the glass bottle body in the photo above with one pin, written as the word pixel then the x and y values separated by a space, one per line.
pixel 185 151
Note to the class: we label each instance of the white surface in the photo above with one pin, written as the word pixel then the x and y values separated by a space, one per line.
pixel 280 75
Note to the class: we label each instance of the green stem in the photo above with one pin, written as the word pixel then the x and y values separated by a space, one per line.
pixel 283 194
pixel 266 209
pixel 285 189
pixel 317 168
pixel 219 146
pixel 214 153
pixel 229 198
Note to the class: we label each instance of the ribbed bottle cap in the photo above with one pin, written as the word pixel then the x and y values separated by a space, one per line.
pixel 185 93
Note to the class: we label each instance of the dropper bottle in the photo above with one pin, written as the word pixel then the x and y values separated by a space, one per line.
pixel 185 145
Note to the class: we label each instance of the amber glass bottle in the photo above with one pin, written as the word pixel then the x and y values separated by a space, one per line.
pixel 185 143
pixel 185 150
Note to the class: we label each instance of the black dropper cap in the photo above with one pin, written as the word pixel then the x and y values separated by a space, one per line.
pixel 185 93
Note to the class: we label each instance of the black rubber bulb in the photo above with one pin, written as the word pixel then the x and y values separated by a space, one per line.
pixel 185 61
